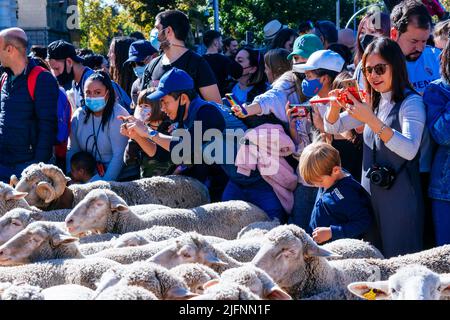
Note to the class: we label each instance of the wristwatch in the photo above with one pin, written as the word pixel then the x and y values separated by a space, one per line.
pixel 152 133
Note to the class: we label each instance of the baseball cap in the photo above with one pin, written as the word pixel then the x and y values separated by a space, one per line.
pixel 174 80
pixel 305 45
pixel 60 50
pixel 322 59
pixel 326 29
pixel 139 50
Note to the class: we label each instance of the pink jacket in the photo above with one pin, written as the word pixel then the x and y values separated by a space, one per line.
pixel 268 144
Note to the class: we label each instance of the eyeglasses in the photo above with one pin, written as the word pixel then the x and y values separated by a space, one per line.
pixel 379 69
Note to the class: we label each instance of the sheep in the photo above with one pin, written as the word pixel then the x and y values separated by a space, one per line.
pixel 152 277
pixel 20 291
pixel 227 291
pixel 125 292
pixel 255 279
pixel 302 270
pixel 104 211
pixel 11 198
pixel 68 292
pixel 45 274
pixel 257 229
pixel 353 249
pixel 47 189
pixel 243 249
pixel 414 282
pixel 195 275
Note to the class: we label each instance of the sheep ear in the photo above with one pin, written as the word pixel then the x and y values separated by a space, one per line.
pixel 60 238
pixel 117 203
pixel 276 293
pixel 180 293
pixel 211 258
pixel 36 216
pixel 15 195
pixel 13 181
pixel 211 283
pixel 46 191
pixel 314 250
pixel 445 285
pixel 377 290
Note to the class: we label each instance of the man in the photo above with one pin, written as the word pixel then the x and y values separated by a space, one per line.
pixel 327 32
pixel 222 66
pixel 172 29
pixel 230 47
pixel 140 54
pixel 28 125
pixel 304 46
pixel 68 68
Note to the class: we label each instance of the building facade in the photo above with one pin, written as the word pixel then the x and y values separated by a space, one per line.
pixel 8 13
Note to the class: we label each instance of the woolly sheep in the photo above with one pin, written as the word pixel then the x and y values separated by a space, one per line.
pixel 49 273
pixel 47 189
pixel 414 282
pixel 10 199
pixel 125 292
pixel 303 272
pixel 195 275
pixel 242 250
pixel 68 292
pixel 257 229
pixel 152 277
pixel 227 291
pixel 104 211
pixel 353 249
pixel 20 291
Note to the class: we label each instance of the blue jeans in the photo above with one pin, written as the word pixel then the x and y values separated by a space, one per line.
pixel 441 218
pixel 7 171
pixel 260 194
pixel 304 199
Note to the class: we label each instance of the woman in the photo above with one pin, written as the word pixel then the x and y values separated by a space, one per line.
pixel 276 63
pixel 284 39
pixel 394 119
pixel 96 129
pixel 437 100
pixel 152 159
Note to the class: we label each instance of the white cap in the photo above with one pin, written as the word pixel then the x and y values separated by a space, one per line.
pixel 272 28
pixel 322 59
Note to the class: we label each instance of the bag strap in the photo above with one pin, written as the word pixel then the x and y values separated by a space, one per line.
pixel 32 79
pixel 3 80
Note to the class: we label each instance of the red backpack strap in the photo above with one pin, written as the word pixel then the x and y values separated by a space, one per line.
pixel 32 79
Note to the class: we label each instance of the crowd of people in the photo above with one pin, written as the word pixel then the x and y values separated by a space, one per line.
pixel 356 124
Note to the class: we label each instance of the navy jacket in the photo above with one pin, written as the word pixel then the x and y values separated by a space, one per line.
pixel 345 207
pixel 28 128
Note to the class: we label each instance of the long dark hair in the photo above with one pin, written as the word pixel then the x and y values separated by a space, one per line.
pixel 256 59
pixel 122 75
pixel 282 37
pixel 104 78
pixel 445 62
pixel 390 51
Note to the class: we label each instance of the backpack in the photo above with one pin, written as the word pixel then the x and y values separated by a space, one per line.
pixel 64 112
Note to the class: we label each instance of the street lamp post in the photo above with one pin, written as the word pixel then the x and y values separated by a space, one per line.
pixel 216 14
pixel 338 13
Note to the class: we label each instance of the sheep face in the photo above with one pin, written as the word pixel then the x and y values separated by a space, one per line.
pixel 190 248
pixel 15 221
pixel 36 242
pixel 10 199
pixel 93 212
pixel 130 240
pixel 227 291
pixel 408 283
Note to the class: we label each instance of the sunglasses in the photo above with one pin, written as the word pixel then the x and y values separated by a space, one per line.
pixel 379 69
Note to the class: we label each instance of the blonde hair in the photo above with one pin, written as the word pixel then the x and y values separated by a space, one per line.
pixel 318 159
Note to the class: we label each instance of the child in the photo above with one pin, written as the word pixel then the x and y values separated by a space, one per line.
pixel 342 208
pixel 82 167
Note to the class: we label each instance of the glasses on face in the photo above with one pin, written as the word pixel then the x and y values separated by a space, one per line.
pixel 379 69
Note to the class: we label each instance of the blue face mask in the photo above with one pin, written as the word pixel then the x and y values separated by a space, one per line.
pixel 311 87
pixel 139 72
pixel 154 39
pixel 95 104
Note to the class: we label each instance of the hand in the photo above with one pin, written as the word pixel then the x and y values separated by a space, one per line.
pixel 136 128
pixel 321 234
pixel 317 119
pixel 359 110
pixel 292 115
pixel 336 103
pixel 238 113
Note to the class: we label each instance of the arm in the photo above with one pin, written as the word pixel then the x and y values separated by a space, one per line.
pixel 206 82
pixel 211 93
pixel 46 102
pixel 438 114
pixel 337 122
pixel 73 145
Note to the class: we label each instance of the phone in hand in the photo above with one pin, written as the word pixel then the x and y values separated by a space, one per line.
pixel 343 97
pixel 301 109
pixel 232 100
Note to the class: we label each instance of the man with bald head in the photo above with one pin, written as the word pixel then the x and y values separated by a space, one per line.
pixel 28 118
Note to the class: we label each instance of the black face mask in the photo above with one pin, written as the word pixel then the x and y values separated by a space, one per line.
pixel 180 114
pixel 65 78
pixel 365 40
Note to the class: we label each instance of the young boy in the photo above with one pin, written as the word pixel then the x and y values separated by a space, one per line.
pixel 342 208
pixel 82 167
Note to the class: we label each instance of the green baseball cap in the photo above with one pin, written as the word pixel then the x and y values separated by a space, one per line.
pixel 306 45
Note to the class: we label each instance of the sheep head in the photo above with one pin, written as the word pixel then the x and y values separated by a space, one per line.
pixel 11 198
pixel 227 291
pixel 38 241
pixel 44 183
pixel 15 221
pixel 412 282
pixel 188 248
pixel 94 212
pixel 284 251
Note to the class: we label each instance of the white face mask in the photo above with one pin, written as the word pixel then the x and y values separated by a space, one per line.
pixel 142 113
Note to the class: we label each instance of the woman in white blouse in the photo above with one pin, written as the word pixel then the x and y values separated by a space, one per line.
pixel 394 118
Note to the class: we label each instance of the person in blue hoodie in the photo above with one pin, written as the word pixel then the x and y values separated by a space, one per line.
pixel 437 102
pixel 342 208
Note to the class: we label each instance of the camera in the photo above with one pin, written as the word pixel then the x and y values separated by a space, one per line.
pixel 302 110
pixel 381 176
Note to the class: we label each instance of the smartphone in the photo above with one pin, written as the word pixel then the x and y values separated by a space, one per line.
pixel 343 97
pixel 301 109
pixel 347 83
pixel 232 100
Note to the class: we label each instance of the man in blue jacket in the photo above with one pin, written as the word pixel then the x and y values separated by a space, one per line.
pixel 28 126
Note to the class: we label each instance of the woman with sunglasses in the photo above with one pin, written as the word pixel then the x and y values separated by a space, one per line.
pixel 437 99
pixel 394 118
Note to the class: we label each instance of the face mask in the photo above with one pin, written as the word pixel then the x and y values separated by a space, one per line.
pixel 365 40
pixel 311 87
pixel 95 104
pixel 65 77
pixel 139 71
pixel 154 39
pixel 142 113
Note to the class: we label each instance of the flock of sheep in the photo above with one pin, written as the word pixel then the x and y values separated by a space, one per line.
pixel 160 238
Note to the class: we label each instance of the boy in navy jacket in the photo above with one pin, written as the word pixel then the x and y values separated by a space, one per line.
pixel 342 208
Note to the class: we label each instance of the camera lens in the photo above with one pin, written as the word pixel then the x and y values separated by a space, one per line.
pixel 376 178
